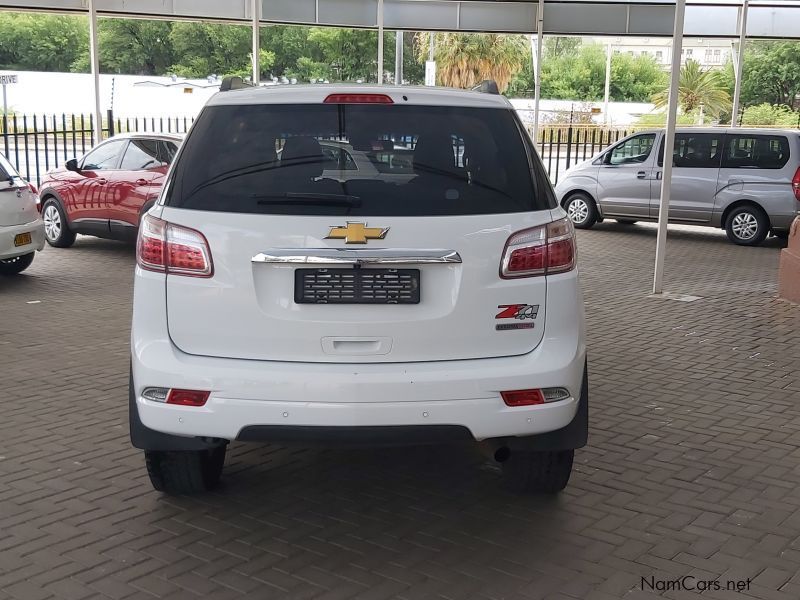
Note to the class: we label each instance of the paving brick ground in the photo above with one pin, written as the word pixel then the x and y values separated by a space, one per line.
pixel 693 466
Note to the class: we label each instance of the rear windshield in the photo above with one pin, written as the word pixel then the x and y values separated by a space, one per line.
pixel 334 159
pixel 6 170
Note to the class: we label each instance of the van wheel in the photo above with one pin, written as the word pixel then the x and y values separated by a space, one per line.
pixel 747 225
pixel 626 221
pixel 56 231
pixel 581 210
pixel 537 471
pixel 185 472
pixel 16 265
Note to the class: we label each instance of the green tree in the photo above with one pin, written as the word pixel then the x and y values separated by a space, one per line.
pixel 771 73
pixel 698 88
pixel 350 53
pixel 778 115
pixel 135 46
pixel 465 59
pixel 578 73
pixel 42 42
pixel 558 46
pixel 209 48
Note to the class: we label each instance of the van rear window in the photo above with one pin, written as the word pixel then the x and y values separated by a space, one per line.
pixel 747 151
pixel 347 159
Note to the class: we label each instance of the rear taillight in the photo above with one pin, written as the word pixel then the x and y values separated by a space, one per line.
pixel 796 184
pixel 172 249
pixel 33 189
pixel 544 250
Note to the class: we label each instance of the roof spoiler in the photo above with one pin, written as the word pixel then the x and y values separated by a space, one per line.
pixel 487 86
pixel 234 83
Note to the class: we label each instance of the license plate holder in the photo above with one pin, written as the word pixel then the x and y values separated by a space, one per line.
pixel 356 286
pixel 22 239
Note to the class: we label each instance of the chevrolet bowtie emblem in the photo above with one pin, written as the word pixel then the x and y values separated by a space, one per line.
pixel 357 233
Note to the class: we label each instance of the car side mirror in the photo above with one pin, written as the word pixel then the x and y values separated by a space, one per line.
pixel 72 165
pixel 607 158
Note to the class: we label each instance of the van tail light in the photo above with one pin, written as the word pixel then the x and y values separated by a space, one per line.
pixel 796 184
pixel 172 249
pixel 544 250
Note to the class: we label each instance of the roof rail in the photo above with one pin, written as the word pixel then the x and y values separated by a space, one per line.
pixel 234 83
pixel 487 86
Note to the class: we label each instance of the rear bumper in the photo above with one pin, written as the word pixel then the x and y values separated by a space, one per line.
pixel 249 399
pixel 8 233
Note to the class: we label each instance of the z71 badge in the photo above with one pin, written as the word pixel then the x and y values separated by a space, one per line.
pixel 524 313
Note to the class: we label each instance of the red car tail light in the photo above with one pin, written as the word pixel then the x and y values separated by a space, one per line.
pixel 796 184
pixel 544 250
pixel 522 397
pixel 358 99
pixel 187 397
pixel 172 249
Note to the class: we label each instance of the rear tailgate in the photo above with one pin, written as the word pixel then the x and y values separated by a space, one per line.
pixel 249 309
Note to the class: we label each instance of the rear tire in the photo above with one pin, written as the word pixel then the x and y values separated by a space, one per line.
pixel 747 225
pixel 538 471
pixel 56 231
pixel 581 210
pixel 626 221
pixel 186 472
pixel 16 265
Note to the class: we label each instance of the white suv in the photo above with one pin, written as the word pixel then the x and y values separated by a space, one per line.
pixel 275 304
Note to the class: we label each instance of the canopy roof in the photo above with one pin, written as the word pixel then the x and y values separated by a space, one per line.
pixel 704 18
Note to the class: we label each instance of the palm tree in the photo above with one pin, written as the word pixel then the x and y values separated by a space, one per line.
pixel 465 59
pixel 698 88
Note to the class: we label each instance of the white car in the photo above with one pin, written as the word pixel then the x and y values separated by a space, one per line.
pixel 21 226
pixel 274 304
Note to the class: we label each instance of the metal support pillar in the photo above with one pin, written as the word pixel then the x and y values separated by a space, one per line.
pixel 380 41
pixel 607 95
pixel 255 9
pixel 537 74
pixel 95 64
pixel 737 91
pixel 398 58
pixel 669 146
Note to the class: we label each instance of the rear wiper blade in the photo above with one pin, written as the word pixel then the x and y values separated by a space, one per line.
pixel 308 198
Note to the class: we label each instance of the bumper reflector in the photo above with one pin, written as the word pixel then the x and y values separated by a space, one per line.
pixel 187 397
pixel 533 397
pixel 522 397
pixel 175 396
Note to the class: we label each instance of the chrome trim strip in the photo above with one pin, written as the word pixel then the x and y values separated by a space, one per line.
pixel 347 256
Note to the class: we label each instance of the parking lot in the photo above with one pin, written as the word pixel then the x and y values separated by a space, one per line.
pixel 692 466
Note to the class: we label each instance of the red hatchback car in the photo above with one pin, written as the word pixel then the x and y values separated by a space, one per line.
pixel 106 192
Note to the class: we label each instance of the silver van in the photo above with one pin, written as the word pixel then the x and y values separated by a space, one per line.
pixel 746 181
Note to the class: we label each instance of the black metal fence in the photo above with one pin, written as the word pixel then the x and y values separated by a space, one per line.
pixel 35 144
pixel 562 146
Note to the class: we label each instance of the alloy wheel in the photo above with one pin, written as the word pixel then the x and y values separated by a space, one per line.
pixel 52 223
pixel 578 210
pixel 745 226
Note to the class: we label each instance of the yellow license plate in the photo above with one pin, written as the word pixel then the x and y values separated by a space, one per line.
pixel 22 239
